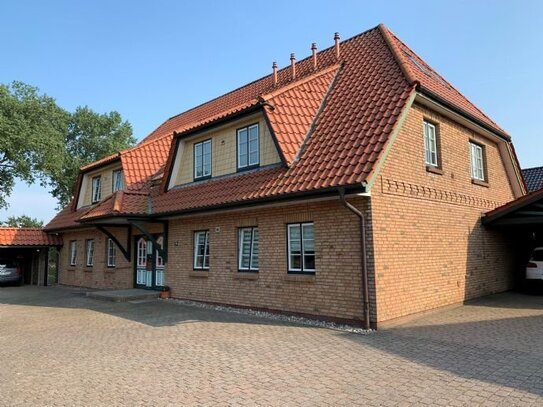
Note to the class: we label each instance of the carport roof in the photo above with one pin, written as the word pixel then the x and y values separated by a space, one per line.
pixel 524 211
pixel 22 237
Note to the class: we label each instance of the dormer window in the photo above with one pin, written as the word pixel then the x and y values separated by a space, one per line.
pixel 202 160
pixel 96 189
pixel 117 180
pixel 248 147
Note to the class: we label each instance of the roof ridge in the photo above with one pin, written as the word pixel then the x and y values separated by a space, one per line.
pixel 532 168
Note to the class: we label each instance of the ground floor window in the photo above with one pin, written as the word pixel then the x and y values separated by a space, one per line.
pixel 248 249
pixel 73 252
pixel 301 248
pixel 90 252
pixel 201 250
pixel 111 253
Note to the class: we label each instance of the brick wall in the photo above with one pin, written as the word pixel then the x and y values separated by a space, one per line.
pixel 430 248
pixel 99 275
pixel 334 290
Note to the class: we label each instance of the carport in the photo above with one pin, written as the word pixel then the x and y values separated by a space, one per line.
pixel 30 247
pixel 521 221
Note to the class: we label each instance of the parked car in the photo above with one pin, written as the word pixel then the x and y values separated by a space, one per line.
pixel 534 271
pixel 10 272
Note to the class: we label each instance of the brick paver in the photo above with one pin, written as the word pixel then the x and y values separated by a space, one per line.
pixel 58 348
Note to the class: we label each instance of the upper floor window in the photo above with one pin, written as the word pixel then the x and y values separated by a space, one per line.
pixel 248 249
pixel 73 252
pixel 301 248
pixel 117 180
pixel 431 154
pixel 477 155
pixel 96 189
pixel 201 250
pixel 111 253
pixel 90 252
pixel 202 159
pixel 248 146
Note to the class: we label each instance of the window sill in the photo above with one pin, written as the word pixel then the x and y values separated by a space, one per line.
pixel 246 275
pixel 434 170
pixel 88 269
pixel 71 268
pixel 300 278
pixel 480 183
pixel 248 167
pixel 199 274
pixel 201 178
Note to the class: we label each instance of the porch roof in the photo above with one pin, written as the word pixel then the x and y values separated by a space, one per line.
pixel 23 237
pixel 524 211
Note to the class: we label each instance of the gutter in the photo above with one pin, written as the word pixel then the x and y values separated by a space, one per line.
pixel 363 263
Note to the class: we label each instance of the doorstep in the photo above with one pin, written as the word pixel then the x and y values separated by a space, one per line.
pixel 132 294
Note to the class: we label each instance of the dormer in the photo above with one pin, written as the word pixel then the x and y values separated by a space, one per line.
pixel 99 183
pixel 236 146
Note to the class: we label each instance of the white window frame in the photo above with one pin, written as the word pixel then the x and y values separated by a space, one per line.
pixel 431 154
pixel 245 149
pixel 73 252
pixel 253 244
pixel 111 253
pixel 202 157
pixel 117 180
pixel 141 255
pixel 477 161
pixel 89 252
pixel 96 189
pixel 303 269
pixel 204 256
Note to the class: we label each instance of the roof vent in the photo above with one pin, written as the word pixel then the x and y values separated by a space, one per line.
pixel 293 65
pixel 314 52
pixel 274 67
pixel 336 39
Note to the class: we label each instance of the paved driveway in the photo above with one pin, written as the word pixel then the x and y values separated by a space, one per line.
pixel 59 348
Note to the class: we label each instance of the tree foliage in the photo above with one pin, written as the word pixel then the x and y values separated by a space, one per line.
pixel 23 221
pixel 41 142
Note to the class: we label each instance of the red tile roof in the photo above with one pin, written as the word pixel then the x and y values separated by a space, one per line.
pixel 27 237
pixel 120 203
pixel 331 125
pixel 66 218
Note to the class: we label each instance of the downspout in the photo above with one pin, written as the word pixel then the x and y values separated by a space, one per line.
pixel 363 265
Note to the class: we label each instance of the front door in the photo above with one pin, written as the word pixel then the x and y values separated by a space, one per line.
pixel 150 270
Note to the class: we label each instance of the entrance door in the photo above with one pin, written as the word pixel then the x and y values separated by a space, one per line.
pixel 150 270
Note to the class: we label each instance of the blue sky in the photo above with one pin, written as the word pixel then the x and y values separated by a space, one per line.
pixel 151 60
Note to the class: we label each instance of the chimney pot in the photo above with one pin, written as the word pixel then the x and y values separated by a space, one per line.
pixel 314 51
pixel 293 65
pixel 274 68
pixel 336 40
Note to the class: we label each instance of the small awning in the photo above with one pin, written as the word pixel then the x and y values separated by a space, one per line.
pixel 524 211
pixel 27 237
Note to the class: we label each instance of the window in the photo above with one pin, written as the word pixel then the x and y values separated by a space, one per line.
pixel 90 252
pixel 431 145
pixel 477 162
pixel 96 189
pixel 202 159
pixel 301 248
pixel 201 250
pixel 248 147
pixel 117 180
pixel 111 253
pixel 248 249
pixel 159 259
pixel 73 252
pixel 142 252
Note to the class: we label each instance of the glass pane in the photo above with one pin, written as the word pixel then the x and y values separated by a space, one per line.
pixel 242 160
pixel 253 158
pixel 254 257
pixel 245 248
pixel 309 262
pixel 295 262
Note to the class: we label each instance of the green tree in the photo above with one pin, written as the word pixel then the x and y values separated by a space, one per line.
pixel 90 136
pixel 41 142
pixel 23 221
pixel 32 131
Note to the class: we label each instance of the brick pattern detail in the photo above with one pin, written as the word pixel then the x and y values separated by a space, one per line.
pixel 99 275
pixel 334 291
pixel 430 247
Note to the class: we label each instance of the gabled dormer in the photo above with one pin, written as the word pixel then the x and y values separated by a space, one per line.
pixel 99 183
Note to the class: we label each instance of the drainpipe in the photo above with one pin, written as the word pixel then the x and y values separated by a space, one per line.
pixel 364 268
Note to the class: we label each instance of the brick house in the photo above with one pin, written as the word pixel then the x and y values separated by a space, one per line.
pixel 347 185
